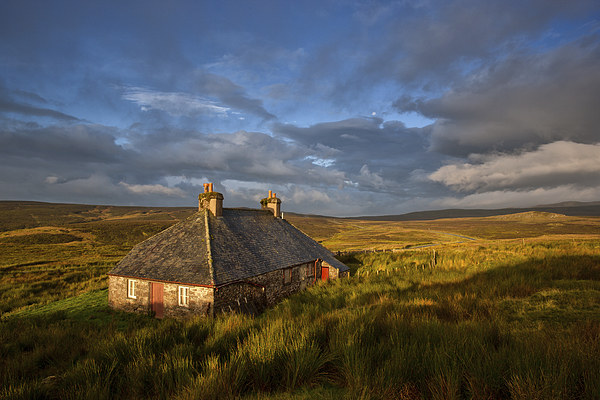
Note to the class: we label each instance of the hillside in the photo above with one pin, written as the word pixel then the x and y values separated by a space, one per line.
pixel 28 214
pixel 53 251
pixel 343 234
pixel 575 209
pixel 500 307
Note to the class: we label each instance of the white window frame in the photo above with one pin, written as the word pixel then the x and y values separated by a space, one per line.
pixel 131 288
pixel 184 296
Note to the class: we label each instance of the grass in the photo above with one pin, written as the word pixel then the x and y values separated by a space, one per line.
pixel 55 251
pixel 514 318
pixel 353 235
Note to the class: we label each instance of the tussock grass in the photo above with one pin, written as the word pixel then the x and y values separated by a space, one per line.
pixel 526 326
pixel 493 319
pixel 54 251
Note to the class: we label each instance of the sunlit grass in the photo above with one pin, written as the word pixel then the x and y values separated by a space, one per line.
pixel 525 325
pixel 493 318
pixel 40 264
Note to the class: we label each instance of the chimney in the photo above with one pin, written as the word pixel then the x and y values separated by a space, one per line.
pixel 212 201
pixel 272 203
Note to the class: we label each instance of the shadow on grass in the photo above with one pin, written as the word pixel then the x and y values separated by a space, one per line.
pixel 384 336
pixel 526 278
pixel 560 290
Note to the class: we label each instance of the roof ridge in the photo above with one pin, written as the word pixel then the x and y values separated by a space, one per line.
pixel 211 271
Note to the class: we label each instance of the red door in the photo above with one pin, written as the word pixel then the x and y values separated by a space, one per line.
pixel 156 304
pixel 324 273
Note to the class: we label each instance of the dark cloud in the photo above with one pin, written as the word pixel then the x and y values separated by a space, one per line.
pixel 230 94
pixel 9 105
pixel 440 39
pixel 256 100
pixel 13 107
pixel 30 96
pixel 239 155
pixel 429 45
pixel 73 157
pixel 84 163
pixel 67 145
pixel 375 155
pixel 526 100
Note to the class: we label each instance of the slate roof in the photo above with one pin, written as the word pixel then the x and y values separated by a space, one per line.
pixel 209 250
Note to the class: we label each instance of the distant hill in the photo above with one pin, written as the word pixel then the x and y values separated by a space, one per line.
pixel 571 204
pixel 29 214
pixel 24 214
pixel 572 208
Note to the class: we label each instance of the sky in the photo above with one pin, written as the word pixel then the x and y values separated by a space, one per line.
pixel 342 108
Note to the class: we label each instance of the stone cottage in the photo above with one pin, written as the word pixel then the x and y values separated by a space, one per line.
pixel 220 260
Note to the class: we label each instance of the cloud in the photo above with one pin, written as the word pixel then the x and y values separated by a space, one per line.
pixel 301 195
pixel 29 96
pixel 439 39
pixel 8 105
pixel 355 135
pixel 372 154
pixel 250 58
pixel 85 163
pixel 230 94
pixel 153 189
pixel 427 46
pixel 61 145
pixel 512 88
pixel 370 179
pixel 68 156
pixel 176 104
pixel 235 155
pixel 551 165
pixel 95 185
pixel 518 198
pixel 526 100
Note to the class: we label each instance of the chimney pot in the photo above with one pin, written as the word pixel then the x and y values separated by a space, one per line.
pixel 273 204
pixel 211 200
pixel 270 194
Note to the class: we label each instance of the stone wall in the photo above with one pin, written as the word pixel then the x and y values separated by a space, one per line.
pixel 251 295
pixel 118 299
pixel 243 297
pixel 275 288
pixel 200 301
pixel 200 298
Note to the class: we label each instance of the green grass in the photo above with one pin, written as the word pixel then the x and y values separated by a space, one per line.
pixel 84 306
pixel 352 235
pixel 41 238
pixel 525 324
pixel 486 319
pixel 55 251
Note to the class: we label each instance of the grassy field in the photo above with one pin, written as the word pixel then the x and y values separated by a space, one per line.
pixel 514 313
pixel 351 235
pixel 54 251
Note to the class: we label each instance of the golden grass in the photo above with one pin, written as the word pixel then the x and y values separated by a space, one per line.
pixel 352 235
pixel 514 313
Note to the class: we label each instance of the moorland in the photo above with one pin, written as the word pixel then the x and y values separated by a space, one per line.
pixel 499 307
